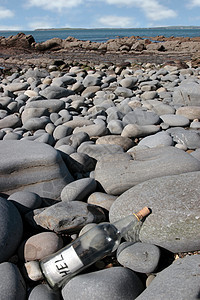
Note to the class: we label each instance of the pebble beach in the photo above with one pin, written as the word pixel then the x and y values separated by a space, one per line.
pixel 81 144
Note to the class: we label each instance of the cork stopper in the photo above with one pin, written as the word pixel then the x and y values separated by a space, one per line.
pixel 145 211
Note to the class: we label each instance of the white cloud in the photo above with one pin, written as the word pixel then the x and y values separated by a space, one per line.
pixel 194 3
pixel 115 21
pixel 10 28
pixel 54 5
pixel 5 13
pixel 152 8
pixel 40 24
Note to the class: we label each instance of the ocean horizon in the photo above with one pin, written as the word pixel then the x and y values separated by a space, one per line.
pixel 104 34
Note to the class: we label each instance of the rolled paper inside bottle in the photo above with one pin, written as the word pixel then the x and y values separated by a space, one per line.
pixel 145 211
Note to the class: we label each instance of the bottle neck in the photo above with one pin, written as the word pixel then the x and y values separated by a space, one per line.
pixel 130 223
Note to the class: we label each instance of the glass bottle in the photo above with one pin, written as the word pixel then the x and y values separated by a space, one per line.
pixel 90 247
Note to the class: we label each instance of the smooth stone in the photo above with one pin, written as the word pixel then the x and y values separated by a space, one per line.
pixel 5 101
pixel 115 126
pixel 12 285
pixel 101 199
pixel 98 151
pixel 55 92
pixel 44 292
pixel 29 113
pixel 128 82
pixel 189 138
pixel 11 121
pixel 74 140
pixel 162 109
pixel 134 130
pixel 175 120
pixel 66 149
pixel 11 229
pixel 90 91
pixel 12 136
pixel 78 190
pixel 123 92
pixel 36 123
pixel 39 168
pixel 78 122
pixel 92 130
pixel 14 87
pixel 159 161
pixel 69 217
pixel 122 141
pixel 139 257
pixel 175 199
pixel 45 138
pixel 196 153
pixel 141 117
pixel 63 81
pixel 114 283
pixel 178 281
pixel 40 245
pixel 149 95
pixel 61 131
pixel 190 112
pixel 157 140
pixel 52 105
pixel 25 201
pixel 195 125
pixel 187 94
pixel 80 163
pixel 91 80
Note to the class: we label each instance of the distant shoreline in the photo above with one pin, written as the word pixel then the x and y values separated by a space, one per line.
pixel 105 28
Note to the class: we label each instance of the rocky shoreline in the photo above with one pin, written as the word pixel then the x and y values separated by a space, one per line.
pixel 22 50
pixel 88 141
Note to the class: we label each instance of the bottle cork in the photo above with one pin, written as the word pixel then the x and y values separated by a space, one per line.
pixel 145 211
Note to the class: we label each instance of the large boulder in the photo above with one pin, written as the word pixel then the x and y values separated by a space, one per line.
pixel 175 220
pixel 117 175
pixel 32 166
pixel 178 281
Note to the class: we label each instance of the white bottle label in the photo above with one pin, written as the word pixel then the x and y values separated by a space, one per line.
pixel 63 264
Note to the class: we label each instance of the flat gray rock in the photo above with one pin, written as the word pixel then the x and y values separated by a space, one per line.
pixel 55 92
pixel 44 292
pixel 52 105
pixel 141 117
pixel 175 219
pixel 139 257
pixel 114 283
pixel 32 166
pixel 36 123
pixel 179 281
pixel 78 190
pixel 101 199
pixel 99 151
pixel 187 94
pixel 12 285
pixel 189 138
pixel 11 121
pixel 11 229
pixel 69 217
pixel 25 201
pixel 157 140
pixel 175 120
pixel 149 163
pixel 134 130
pixel 121 141
pixel 92 130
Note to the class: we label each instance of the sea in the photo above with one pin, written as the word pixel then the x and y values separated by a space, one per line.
pixel 104 34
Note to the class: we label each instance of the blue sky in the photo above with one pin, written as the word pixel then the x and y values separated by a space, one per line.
pixel 32 14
